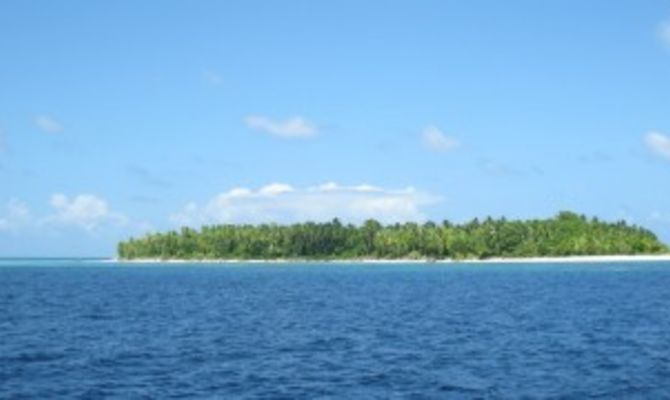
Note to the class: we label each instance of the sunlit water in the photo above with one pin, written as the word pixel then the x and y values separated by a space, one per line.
pixel 77 329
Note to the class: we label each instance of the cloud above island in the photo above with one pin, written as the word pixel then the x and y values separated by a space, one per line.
pixel 292 128
pixel 436 140
pixel 658 143
pixel 283 203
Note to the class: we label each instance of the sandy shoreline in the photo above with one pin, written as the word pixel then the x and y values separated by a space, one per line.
pixel 528 260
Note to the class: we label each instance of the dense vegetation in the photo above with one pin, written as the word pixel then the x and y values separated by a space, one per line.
pixel 566 234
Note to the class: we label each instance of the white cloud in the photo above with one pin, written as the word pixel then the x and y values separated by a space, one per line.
pixel 16 215
pixel 48 124
pixel 18 210
pixel 282 203
pixel 664 32
pixel 436 140
pixel 332 187
pixel 212 77
pixel 658 143
pixel 275 189
pixel 294 127
pixel 85 210
pixel 80 217
pixel 326 187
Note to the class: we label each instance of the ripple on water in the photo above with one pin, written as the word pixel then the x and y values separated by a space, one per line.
pixel 401 331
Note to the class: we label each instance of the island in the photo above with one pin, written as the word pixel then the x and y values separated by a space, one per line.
pixel 567 234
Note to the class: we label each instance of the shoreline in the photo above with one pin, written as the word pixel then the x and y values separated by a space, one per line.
pixel 494 260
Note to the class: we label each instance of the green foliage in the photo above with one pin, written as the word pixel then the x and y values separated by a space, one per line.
pixel 566 234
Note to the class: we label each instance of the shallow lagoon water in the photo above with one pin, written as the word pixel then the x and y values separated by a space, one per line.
pixel 89 329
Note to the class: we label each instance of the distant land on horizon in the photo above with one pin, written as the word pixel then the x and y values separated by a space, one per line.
pixel 567 234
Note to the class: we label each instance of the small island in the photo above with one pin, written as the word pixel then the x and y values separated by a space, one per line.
pixel 567 234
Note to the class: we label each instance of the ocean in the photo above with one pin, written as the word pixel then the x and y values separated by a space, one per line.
pixel 91 329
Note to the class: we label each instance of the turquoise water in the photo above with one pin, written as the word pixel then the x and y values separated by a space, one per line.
pixel 90 329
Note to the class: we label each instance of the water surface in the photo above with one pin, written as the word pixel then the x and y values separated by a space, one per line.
pixel 88 329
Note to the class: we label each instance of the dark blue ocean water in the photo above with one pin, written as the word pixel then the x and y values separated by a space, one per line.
pixel 74 329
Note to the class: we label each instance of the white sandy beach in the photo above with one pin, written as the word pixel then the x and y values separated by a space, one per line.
pixel 576 259
pixel 526 260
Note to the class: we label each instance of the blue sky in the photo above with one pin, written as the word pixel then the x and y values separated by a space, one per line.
pixel 118 118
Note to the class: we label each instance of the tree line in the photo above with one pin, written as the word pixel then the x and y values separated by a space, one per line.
pixel 567 234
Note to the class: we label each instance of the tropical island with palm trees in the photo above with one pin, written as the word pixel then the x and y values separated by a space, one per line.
pixel 565 235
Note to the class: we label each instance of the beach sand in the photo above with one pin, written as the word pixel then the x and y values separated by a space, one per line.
pixel 496 260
